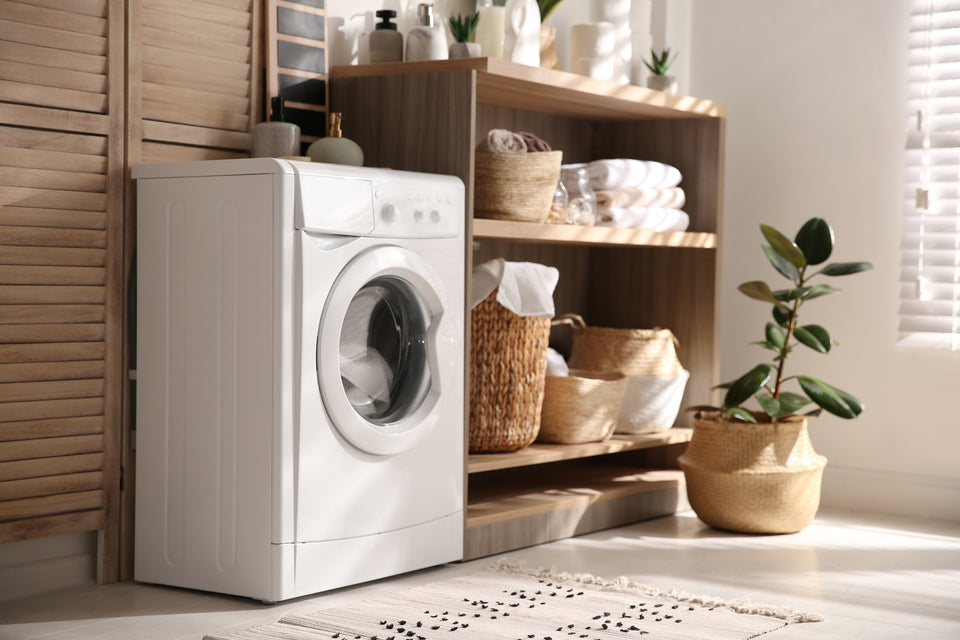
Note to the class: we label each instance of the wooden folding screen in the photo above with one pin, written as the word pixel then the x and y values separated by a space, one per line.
pixel 61 231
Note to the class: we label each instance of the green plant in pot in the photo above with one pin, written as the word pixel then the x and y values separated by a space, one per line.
pixel 462 29
pixel 755 470
pixel 658 65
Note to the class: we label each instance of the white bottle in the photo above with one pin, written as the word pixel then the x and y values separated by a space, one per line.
pixel 490 29
pixel 426 42
pixel 521 42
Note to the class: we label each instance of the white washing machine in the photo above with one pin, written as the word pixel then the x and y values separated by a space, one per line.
pixel 300 350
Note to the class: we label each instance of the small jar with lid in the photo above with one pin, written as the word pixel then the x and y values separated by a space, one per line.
pixel 582 200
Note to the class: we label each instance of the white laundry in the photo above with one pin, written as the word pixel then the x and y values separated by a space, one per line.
pixel 630 173
pixel 671 197
pixel 652 218
pixel 525 288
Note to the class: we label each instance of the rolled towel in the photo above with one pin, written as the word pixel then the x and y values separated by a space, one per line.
pixel 671 197
pixel 624 173
pixel 502 141
pixel 534 142
pixel 650 218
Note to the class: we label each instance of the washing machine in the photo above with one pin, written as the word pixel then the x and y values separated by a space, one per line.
pixel 299 376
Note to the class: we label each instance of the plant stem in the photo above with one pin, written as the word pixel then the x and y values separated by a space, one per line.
pixel 786 343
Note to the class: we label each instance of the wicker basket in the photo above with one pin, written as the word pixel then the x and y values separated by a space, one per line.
pixel 648 357
pixel 753 478
pixel 581 407
pixel 508 368
pixel 515 186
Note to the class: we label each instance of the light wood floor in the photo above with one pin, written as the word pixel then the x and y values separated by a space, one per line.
pixel 870 576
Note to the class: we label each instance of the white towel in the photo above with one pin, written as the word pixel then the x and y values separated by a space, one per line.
pixel 627 173
pixel 525 288
pixel 652 218
pixel 671 197
pixel 556 365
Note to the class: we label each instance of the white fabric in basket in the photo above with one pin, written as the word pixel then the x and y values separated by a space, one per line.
pixel 525 288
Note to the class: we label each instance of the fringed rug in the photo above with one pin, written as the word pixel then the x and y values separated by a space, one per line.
pixel 510 602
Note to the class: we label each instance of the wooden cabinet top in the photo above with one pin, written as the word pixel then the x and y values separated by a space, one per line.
pixel 508 84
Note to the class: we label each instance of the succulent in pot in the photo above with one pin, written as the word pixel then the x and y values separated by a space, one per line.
pixel 462 29
pixel 658 65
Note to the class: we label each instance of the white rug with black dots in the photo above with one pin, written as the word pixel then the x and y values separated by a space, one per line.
pixel 512 602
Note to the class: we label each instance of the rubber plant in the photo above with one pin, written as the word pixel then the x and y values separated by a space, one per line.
pixel 796 261
pixel 462 27
pixel 660 64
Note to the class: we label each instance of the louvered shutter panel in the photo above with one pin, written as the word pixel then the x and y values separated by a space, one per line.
pixel 930 264
pixel 61 220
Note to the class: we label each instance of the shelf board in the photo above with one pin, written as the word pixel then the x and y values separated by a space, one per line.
pixel 588 236
pixel 540 453
pixel 508 84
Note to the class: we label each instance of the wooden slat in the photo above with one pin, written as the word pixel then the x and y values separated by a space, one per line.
pixel 53 428
pixel 47 333
pixel 49 77
pixel 50 505
pixel 42 467
pixel 53 97
pixel 209 30
pixel 77 147
pixel 49 57
pixel 197 136
pixel 56 352
pixel 195 115
pixel 51 256
pixel 161 41
pixel 43 237
pixel 50 447
pixel 18 530
pixel 197 79
pixel 26 33
pixel 43 179
pixel 155 152
pixel 37 371
pixel 236 5
pixel 33 274
pixel 96 8
pixel 34 116
pixel 198 11
pixel 238 70
pixel 35 487
pixel 60 20
pixel 52 160
pixel 42 409
pixel 57 218
pixel 179 95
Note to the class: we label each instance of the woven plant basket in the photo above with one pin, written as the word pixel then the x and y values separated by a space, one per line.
pixel 648 357
pixel 753 478
pixel 581 407
pixel 515 186
pixel 508 369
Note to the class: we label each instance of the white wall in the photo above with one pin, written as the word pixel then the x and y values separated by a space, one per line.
pixel 814 91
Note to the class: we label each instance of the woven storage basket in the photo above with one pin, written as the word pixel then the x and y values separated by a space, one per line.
pixel 753 478
pixel 648 357
pixel 515 186
pixel 508 368
pixel 581 407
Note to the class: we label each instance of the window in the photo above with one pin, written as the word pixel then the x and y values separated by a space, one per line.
pixel 930 262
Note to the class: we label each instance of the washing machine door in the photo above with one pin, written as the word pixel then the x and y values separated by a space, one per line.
pixel 378 346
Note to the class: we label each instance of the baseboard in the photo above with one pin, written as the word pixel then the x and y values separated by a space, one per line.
pixel 891 493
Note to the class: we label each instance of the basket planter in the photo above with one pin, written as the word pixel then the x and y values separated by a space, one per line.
pixel 515 186
pixel 753 478
pixel 581 407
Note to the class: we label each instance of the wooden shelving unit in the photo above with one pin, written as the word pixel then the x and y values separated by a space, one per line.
pixel 428 117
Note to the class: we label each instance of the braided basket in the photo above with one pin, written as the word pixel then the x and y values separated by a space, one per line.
pixel 581 407
pixel 508 368
pixel 753 478
pixel 515 186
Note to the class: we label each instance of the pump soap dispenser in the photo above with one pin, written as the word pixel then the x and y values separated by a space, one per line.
pixel 386 43
pixel 335 149
pixel 426 42
pixel 276 138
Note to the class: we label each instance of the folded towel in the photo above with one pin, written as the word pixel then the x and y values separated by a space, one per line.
pixel 671 197
pixel 534 143
pixel 652 218
pixel 627 173
pixel 502 141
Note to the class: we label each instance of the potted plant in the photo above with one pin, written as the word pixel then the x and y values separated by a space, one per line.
pixel 548 35
pixel 658 66
pixel 462 28
pixel 755 470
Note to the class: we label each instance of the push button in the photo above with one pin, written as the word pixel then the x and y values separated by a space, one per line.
pixel 388 212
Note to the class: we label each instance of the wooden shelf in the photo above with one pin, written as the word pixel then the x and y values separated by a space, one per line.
pixel 589 236
pixel 539 453
pixel 517 86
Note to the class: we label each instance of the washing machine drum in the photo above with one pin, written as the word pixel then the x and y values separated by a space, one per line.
pixel 378 347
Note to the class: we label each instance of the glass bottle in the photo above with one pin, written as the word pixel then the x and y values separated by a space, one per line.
pixel 582 206
pixel 490 29
pixel 558 209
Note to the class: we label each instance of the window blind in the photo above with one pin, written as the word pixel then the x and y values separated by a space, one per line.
pixel 930 256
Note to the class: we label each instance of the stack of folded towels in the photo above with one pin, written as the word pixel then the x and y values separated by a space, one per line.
pixel 638 194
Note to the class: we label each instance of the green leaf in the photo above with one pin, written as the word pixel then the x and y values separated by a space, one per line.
pixel 703 407
pixel 776 336
pixel 769 404
pixel 758 291
pixel 815 337
pixel 845 268
pixel 782 316
pixel 818 290
pixel 781 264
pixel 815 239
pixel 743 414
pixel 838 402
pixel 746 385
pixel 790 403
pixel 788 295
pixel 784 246
pixel 814 413
pixel 725 385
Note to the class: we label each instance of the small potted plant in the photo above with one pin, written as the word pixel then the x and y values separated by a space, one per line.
pixel 548 35
pixel 755 470
pixel 462 28
pixel 658 66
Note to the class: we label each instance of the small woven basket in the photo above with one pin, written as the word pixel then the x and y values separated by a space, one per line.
pixel 515 186
pixel 508 369
pixel 581 407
